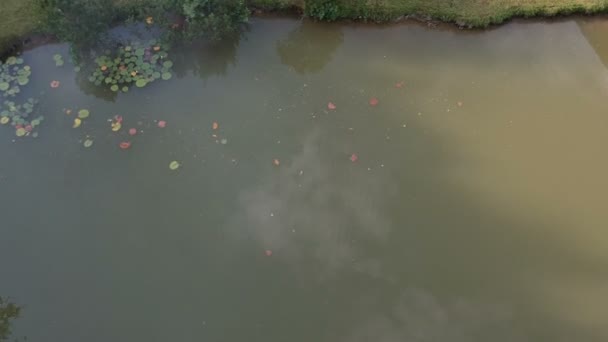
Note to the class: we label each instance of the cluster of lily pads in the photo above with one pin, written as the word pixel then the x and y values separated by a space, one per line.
pixel 20 117
pixel 13 75
pixel 58 60
pixel 136 64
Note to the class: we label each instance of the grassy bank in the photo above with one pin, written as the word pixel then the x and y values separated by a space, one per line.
pixel 18 17
pixel 473 13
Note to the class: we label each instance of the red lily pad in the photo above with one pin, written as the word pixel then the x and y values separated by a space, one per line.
pixel 268 252
pixel 28 128
pixel 162 124
pixel 55 84
pixel 331 106
pixel 373 102
pixel 132 131
pixel 353 158
pixel 118 118
pixel 125 145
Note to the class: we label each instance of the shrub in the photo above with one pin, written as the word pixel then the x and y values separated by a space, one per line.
pixel 77 21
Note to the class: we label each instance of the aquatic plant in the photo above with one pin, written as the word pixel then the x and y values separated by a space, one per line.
pixel 58 60
pixel 8 312
pixel 13 75
pixel 20 117
pixel 136 64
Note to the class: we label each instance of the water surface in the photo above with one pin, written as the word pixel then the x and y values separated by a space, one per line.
pixel 476 210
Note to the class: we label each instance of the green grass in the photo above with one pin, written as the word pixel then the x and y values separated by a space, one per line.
pixel 476 13
pixel 18 17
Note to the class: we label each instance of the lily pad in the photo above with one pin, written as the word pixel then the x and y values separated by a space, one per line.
pixel 125 89
pixel 166 76
pixel 88 143
pixel 4 86
pixel 167 64
pixel 77 123
pixel 141 83
pixel 4 120
pixel 174 165
pixel 116 126
pixel 20 132
pixel 83 113
pixel 114 88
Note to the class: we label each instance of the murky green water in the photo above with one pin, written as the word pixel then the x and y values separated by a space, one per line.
pixel 476 210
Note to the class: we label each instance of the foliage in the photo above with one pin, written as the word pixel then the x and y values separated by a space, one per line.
pixel 212 18
pixel 328 10
pixel 13 76
pixel 58 60
pixel 20 117
pixel 80 22
pixel 8 312
pixel 138 63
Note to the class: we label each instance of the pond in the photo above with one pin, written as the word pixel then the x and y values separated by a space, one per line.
pixel 335 183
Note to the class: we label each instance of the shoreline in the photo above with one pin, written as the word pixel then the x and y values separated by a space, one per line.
pixel 11 41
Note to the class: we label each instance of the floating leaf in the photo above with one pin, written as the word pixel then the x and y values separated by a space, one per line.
pixel 77 123
pixel 141 83
pixel 88 143
pixel 125 89
pixel 166 76
pixel 268 252
pixel 4 86
pixel 174 165
pixel 331 106
pixel 83 113
pixel 276 162
pixel 353 158
pixel 167 64
pixel 162 124
pixel 116 126
pixel 4 120
pixel 76 69
pixel 125 145
pixel 215 126
pixel 55 84
pixel 20 132
pixel 114 88
pixel 132 131
pixel 373 102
